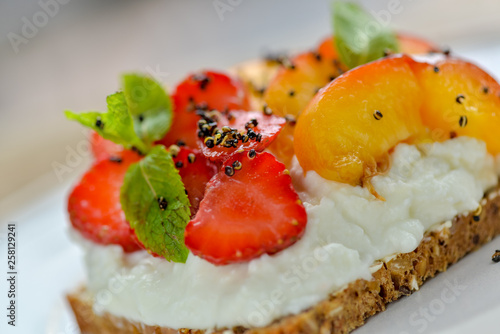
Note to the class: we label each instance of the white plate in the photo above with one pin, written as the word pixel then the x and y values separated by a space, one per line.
pixel 466 298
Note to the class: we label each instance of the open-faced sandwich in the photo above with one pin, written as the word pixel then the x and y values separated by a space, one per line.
pixel 296 195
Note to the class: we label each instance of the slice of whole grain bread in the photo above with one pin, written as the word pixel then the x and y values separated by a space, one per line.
pixel 347 309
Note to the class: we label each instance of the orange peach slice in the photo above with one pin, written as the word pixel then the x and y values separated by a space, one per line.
pixel 460 99
pixel 349 127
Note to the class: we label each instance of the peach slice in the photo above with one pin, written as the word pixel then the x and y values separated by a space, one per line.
pixel 296 83
pixel 460 99
pixel 349 127
pixel 300 78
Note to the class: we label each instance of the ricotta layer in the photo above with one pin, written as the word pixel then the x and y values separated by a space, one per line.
pixel 348 229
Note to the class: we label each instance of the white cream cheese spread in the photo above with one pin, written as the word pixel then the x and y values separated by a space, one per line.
pixel 348 229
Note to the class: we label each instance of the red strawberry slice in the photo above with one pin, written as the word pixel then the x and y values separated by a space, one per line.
pixel 205 90
pixel 94 204
pixel 195 171
pixel 250 208
pixel 103 148
pixel 223 134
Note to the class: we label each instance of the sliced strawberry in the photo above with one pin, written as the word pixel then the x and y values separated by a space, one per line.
pixel 205 90
pixel 94 204
pixel 103 148
pixel 195 171
pixel 250 208
pixel 222 134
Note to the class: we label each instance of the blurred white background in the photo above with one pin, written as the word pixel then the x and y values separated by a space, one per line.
pixel 74 58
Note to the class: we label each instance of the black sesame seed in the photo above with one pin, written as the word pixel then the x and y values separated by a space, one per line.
pixel 291 93
pixel 476 218
pixel 251 134
pixel 446 51
pixel 496 256
pixel 377 115
pixel 259 138
pixel 179 164
pixel 237 165
pixel 201 122
pixel 317 56
pixel 202 106
pixel 141 118
pixel 115 159
pixel 209 142
pixel 436 69
pixel 136 150
pixel 202 79
pixel 99 123
pixel 336 63
pixel 462 121
pixel 251 123
pixel 486 90
pixel 331 77
pixel 252 154
pixel 453 134
pixel 162 203
pixel 204 83
pixel 191 158
pixel 266 110
pixel 181 142
pixel 174 150
pixel 460 98
pixel 229 171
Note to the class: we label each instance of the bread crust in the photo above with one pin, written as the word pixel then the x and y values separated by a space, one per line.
pixel 347 309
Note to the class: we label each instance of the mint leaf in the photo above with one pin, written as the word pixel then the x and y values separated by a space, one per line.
pixel 149 106
pixel 116 125
pixel 359 38
pixel 156 205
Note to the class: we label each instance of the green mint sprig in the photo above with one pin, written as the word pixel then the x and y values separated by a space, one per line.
pixel 152 196
pixel 359 37
pixel 149 106
pixel 156 205
pixel 116 124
